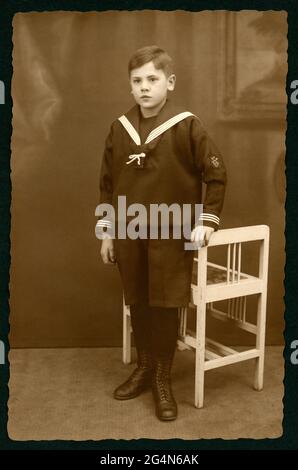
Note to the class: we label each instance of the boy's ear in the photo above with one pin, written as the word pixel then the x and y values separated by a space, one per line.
pixel 171 82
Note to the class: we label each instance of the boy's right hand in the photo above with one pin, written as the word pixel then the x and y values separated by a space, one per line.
pixel 107 251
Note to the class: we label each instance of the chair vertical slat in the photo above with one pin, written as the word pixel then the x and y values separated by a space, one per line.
pixel 229 308
pixel 239 262
pixel 233 262
pixel 241 309
pixel 244 309
pixel 228 263
pixel 184 323
pixel 236 307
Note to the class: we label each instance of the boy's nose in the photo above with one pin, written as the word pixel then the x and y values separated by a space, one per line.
pixel 144 87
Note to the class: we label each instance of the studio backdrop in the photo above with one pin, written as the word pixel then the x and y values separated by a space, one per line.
pixel 70 82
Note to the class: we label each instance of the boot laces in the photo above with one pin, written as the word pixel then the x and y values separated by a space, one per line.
pixel 164 389
pixel 163 380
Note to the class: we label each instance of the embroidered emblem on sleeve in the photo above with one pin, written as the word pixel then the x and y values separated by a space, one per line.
pixel 214 161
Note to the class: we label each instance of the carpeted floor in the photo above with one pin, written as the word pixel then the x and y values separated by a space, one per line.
pixel 67 394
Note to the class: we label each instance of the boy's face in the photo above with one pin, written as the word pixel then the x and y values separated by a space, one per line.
pixel 150 87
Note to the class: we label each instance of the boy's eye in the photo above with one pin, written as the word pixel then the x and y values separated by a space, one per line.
pixel 138 80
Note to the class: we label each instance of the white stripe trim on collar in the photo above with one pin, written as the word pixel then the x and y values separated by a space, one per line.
pixel 155 132
pixel 167 125
pixel 130 129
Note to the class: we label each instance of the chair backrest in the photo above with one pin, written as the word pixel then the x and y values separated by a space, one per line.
pixel 234 238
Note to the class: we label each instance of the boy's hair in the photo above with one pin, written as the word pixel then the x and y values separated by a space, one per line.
pixel 155 54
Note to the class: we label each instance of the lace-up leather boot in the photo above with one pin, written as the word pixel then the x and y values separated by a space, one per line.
pixel 164 340
pixel 165 404
pixel 140 379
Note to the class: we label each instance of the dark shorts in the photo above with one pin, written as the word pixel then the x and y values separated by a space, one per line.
pixel 157 270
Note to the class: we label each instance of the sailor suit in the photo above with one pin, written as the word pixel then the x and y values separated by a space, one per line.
pixel 168 167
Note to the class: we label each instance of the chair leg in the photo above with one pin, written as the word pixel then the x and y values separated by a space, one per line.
pixel 200 327
pixel 200 356
pixel 199 380
pixel 259 374
pixel 126 352
pixel 259 365
pixel 261 314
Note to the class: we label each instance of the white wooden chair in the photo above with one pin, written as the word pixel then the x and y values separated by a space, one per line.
pixel 233 286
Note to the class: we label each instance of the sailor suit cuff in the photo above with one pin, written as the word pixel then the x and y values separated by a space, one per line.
pixel 104 226
pixel 208 220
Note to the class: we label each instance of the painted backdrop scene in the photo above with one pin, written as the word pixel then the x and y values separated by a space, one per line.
pixel 70 82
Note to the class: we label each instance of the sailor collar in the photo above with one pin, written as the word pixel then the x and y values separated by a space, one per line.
pixel 166 119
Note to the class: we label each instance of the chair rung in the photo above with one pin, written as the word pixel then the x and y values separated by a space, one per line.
pixel 224 350
pixel 182 345
pixel 210 355
pixel 232 359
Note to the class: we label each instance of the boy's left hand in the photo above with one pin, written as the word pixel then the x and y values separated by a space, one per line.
pixel 201 235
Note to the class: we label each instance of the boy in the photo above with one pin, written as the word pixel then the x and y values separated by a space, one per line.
pixel 157 153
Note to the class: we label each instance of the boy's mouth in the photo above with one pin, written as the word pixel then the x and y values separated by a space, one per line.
pixel 145 97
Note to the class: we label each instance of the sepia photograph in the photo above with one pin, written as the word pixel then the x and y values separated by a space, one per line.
pixel 147 225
